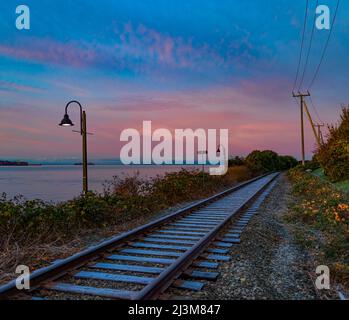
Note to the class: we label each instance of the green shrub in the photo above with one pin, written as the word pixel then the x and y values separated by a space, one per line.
pixel 334 154
pixel 321 207
pixel 236 161
pixel 123 200
pixel 287 162
pixel 267 161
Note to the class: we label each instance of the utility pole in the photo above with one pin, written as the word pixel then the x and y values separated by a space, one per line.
pixel 301 96
pixel 319 132
pixel 316 134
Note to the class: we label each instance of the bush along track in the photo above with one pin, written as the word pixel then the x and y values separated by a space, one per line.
pixel 322 214
pixel 123 199
pixel 333 155
pixel 35 233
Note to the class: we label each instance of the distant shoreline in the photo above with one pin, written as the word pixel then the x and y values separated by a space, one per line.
pixel 26 164
pixel 5 163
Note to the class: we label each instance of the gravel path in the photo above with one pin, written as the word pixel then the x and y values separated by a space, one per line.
pixel 267 265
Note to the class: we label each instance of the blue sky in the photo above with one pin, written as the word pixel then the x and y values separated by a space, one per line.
pixel 198 64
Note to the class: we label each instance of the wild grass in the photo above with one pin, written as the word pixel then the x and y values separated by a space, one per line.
pixel 343 185
pixel 125 199
pixel 322 210
pixel 35 233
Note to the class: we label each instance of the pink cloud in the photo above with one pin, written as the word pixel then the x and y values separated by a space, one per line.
pixel 49 51
pixel 255 120
pixel 6 85
pixel 159 48
pixel 134 47
pixel 139 49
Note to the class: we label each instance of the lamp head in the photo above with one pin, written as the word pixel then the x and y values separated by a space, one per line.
pixel 66 122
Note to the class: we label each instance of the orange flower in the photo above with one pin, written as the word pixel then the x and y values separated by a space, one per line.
pixel 343 207
pixel 337 217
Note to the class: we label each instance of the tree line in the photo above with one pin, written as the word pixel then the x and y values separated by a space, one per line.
pixel 260 162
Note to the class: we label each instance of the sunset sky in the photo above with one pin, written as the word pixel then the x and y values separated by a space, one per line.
pixel 181 64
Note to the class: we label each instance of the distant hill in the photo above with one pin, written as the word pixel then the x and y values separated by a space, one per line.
pixel 13 163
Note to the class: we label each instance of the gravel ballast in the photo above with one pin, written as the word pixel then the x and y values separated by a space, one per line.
pixel 268 264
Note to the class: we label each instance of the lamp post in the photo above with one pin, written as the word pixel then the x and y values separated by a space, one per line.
pixel 224 152
pixel 203 153
pixel 66 122
pixel 219 150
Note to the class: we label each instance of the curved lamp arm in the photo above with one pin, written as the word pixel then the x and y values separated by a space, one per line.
pixel 79 104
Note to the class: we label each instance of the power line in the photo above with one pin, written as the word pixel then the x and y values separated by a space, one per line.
pixel 309 49
pixel 302 44
pixel 325 48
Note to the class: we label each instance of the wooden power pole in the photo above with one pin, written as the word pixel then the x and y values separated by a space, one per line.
pixel 319 132
pixel 313 126
pixel 301 96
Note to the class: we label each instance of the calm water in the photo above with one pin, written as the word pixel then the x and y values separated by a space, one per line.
pixel 60 183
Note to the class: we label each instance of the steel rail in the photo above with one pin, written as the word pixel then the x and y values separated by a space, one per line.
pixel 62 267
pixel 160 284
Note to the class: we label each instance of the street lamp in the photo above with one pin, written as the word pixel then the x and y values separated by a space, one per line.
pixel 203 153
pixel 219 150
pixel 66 122
pixel 222 170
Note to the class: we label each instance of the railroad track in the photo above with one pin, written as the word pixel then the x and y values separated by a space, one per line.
pixel 174 254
